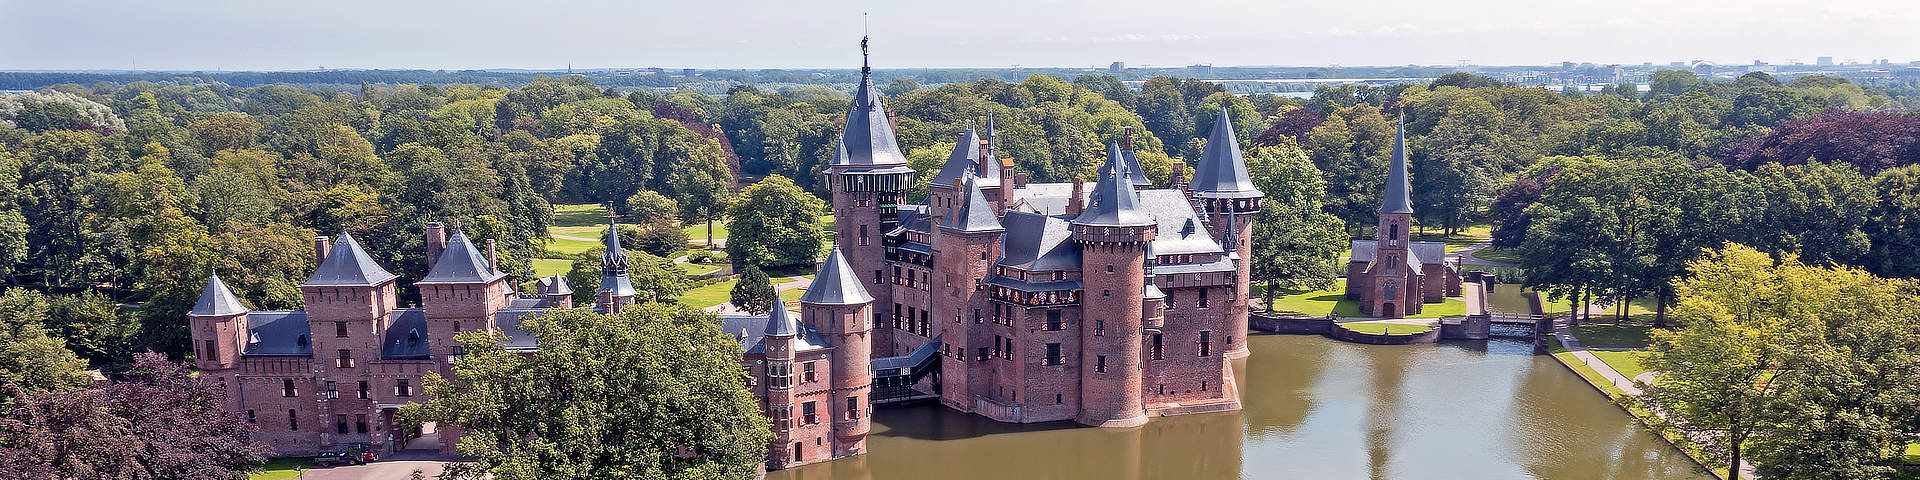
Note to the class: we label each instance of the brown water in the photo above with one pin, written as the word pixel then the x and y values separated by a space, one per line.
pixel 1315 409
pixel 1510 298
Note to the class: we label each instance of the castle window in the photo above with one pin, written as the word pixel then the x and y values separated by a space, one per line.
pixel 401 388
pixel 413 337
pixel 1053 355
pixel 1053 320
pixel 340 424
pixel 1057 398
pixel 1203 299
pixel 340 329
pixel 926 329
pixel 345 360
pixel 301 340
pixel 983 354
pixel 1163 389
pixel 877 276
pixel 363 390
pixel 250 417
pixel 896 314
pixel 853 407
pixel 983 254
pixel 1206 343
pixel 293 420
pixel 1109 268
pixel 286 388
pixel 1100 363
pixel 807 414
pixel 457 353
pixel 1158 351
pixel 1203 385
pixel 332 392
pixel 806 373
pixel 863 235
pixel 1099 327
pixel 976 316
pixel 360 423
pixel 213 354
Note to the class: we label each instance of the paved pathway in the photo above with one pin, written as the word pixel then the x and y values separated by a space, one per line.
pixel 396 467
pixel 570 237
pixel 1467 256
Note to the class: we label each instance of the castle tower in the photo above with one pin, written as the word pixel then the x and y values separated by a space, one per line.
pixel 839 305
pixel 616 290
pixel 1114 234
pixel 943 190
pixel 461 293
pixel 968 240
pixel 219 327
pixel 1229 199
pixel 779 341
pixel 357 297
pixel 555 290
pixel 867 176
pixel 1392 296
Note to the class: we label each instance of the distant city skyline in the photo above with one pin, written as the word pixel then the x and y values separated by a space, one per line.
pixel 492 34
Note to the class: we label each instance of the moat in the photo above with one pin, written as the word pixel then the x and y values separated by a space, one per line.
pixel 1315 408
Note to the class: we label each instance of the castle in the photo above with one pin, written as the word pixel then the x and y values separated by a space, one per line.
pixel 1391 276
pixel 1021 302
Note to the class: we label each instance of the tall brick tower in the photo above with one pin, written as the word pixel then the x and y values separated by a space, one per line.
pixel 779 340
pixel 1228 197
pixel 867 177
pixel 1114 234
pixel 1393 296
pixel 616 290
pixel 842 310
pixel 968 239
pixel 350 302
pixel 461 292
pixel 219 330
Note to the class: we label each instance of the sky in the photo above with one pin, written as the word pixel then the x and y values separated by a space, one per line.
pixel 530 34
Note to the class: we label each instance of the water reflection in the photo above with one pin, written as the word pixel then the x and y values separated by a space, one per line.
pixel 1315 408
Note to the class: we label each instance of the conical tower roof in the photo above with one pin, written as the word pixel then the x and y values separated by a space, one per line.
pixel 836 284
pixel 974 214
pixel 965 158
pixel 867 139
pixel 348 265
pixel 1222 172
pixel 779 322
pixel 1397 198
pixel 217 300
pixel 1115 203
pixel 461 263
pixel 613 264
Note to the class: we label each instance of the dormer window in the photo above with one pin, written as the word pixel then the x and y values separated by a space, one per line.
pixel 301 341
pixel 413 338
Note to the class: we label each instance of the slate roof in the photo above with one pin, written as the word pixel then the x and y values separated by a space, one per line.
pixel 965 158
pixel 406 335
pixel 1115 203
pixel 912 218
pixel 1136 175
pixel 1181 230
pixel 555 285
pixel 747 328
pixel 348 265
pixel 613 265
pixel 1422 252
pixel 975 214
pixel 1222 172
pixel 461 263
pixel 911 359
pixel 836 284
pixel 278 333
pixel 217 300
pixel 867 138
pixel 1037 242
pixel 1223 264
pixel 1397 198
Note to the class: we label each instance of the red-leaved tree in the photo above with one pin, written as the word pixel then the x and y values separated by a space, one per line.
pixel 1870 141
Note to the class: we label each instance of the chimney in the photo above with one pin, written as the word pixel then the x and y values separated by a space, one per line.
pixel 1076 202
pixel 436 242
pixel 321 244
pixel 1179 179
pixel 1126 139
pixel 1007 175
pixel 986 159
pixel 493 256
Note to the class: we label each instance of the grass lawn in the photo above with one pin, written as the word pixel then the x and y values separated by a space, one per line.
pixel 1627 363
pixel 281 468
pixel 697 233
pixel 1912 454
pixel 1510 255
pixel 697 268
pixel 582 231
pixel 709 295
pixel 1385 327
pixel 1597 335
pixel 792 295
pixel 1467 236
pixel 581 214
pixel 564 248
pixel 1333 301
pixel 1590 374
pixel 543 267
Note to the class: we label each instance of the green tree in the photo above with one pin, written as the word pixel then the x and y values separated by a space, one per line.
pixel 29 357
pixel 774 224
pixel 94 328
pixel 653 278
pixel 647 206
pixel 1295 245
pixel 675 408
pixel 754 293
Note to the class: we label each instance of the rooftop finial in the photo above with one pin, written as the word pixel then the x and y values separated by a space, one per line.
pixel 864 69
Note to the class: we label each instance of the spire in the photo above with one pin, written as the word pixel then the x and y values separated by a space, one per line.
pixel 461 263
pixel 217 300
pixel 963 160
pixel 348 265
pixel 1115 203
pixel 836 284
pixel 868 137
pixel 1135 175
pixel 1223 172
pixel 779 322
pixel 975 214
pixel 613 263
pixel 1397 199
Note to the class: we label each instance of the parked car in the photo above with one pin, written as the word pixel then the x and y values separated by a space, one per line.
pixel 351 454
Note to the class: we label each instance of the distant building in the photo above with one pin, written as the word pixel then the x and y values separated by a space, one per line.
pixel 1678 64
pixel 1823 61
pixel 1116 67
pixel 1199 70
pixel 686 72
pixel 1703 69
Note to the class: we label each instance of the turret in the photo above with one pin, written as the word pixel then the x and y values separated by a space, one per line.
pixel 219 327
pixel 1115 235
pixel 778 341
pixel 867 177
pixel 968 240
pixel 842 310
pixel 556 292
pixel 1229 198
pixel 943 190
pixel 616 289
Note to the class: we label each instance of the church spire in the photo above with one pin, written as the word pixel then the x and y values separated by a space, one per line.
pixel 867 139
pixel 613 265
pixel 1397 199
